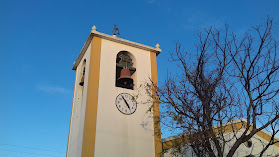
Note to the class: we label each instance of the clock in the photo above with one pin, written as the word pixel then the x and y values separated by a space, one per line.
pixel 125 103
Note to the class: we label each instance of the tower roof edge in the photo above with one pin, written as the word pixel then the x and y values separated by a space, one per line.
pixel 94 32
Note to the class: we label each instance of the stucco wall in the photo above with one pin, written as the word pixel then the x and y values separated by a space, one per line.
pixel 78 109
pixel 118 134
pixel 258 144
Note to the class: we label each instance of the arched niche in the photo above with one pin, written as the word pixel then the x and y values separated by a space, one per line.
pixel 125 70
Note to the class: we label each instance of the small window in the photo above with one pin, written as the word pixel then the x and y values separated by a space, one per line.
pixel 248 143
pixel 124 70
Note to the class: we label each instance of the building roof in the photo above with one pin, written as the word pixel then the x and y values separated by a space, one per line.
pixel 114 38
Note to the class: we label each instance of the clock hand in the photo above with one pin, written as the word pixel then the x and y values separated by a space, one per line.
pixel 126 102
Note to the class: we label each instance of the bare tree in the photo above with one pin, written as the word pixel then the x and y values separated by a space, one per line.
pixel 228 77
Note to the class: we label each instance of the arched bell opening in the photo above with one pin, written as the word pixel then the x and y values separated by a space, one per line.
pixel 80 88
pixel 81 83
pixel 125 70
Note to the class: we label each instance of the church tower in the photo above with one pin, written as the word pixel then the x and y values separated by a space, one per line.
pixel 106 120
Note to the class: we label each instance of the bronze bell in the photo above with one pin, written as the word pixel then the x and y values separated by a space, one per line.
pixel 81 81
pixel 125 78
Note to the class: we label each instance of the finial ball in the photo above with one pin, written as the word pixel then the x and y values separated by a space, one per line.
pixel 157 46
pixel 94 28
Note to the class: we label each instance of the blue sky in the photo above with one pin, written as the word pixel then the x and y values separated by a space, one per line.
pixel 40 40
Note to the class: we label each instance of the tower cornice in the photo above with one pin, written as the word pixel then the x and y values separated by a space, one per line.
pixel 113 38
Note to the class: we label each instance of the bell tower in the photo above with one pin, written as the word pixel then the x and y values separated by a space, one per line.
pixel 106 120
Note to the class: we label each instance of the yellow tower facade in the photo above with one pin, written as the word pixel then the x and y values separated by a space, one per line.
pixel 106 120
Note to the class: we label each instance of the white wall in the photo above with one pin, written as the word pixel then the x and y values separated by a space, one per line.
pixel 120 135
pixel 78 109
pixel 258 144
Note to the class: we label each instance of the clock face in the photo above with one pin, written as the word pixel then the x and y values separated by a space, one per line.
pixel 125 103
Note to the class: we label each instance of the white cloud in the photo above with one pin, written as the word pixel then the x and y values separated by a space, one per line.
pixel 53 89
